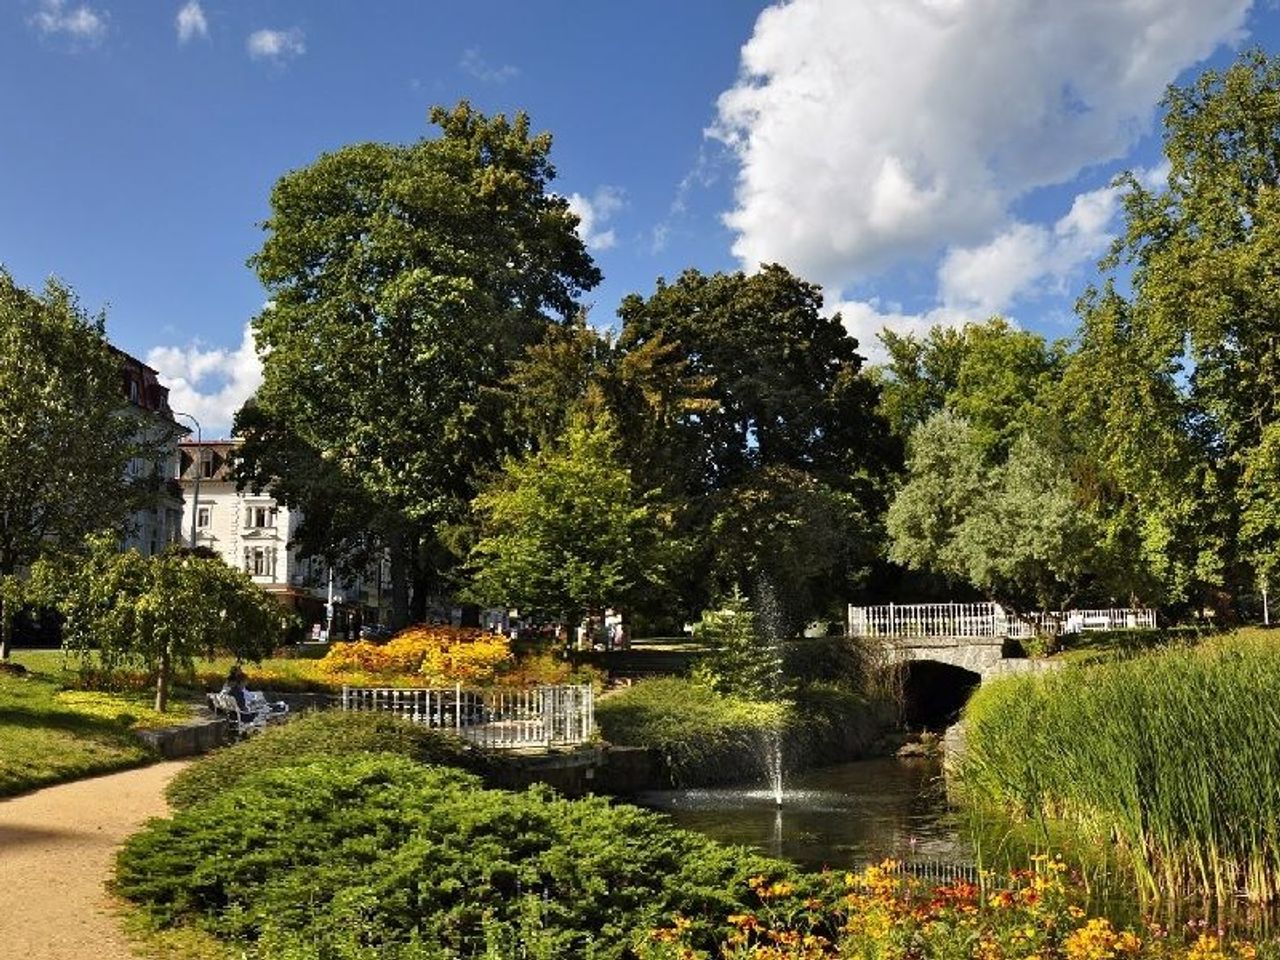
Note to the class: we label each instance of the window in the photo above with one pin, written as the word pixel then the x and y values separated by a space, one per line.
pixel 260 517
pixel 203 516
pixel 206 464
pixel 260 561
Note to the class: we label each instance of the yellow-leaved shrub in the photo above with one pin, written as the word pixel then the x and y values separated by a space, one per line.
pixel 423 655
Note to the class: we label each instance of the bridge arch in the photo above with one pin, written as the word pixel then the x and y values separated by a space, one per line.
pixel 934 692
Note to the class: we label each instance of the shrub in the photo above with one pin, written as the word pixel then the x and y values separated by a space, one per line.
pixel 429 654
pixel 385 852
pixel 1174 754
pixel 708 737
pixel 315 736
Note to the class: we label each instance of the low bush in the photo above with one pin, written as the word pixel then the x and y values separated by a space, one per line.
pixel 316 736
pixel 707 737
pixel 1175 755
pixel 380 856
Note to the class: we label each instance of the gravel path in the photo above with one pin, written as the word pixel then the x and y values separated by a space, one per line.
pixel 57 849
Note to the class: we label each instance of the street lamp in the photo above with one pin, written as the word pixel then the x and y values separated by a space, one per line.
pixel 198 463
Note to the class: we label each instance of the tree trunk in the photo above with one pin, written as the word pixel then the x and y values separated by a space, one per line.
pixel 7 609
pixel 162 681
pixel 400 563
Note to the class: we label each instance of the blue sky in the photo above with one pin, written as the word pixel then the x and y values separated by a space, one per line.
pixel 927 160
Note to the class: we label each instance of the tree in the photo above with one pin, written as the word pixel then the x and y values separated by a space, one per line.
pixel 403 283
pixel 1204 254
pixel 66 440
pixel 564 531
pixel 919 375
pixel 159 612
pixel 946 478
pixel 726 382
pixel 1014 531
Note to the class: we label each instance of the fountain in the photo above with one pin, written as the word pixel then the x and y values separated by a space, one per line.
pixel 769 630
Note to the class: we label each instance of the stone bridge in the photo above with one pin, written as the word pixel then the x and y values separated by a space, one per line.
pixel 983 656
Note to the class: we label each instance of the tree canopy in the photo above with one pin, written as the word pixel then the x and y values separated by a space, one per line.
pixel 403 283
pixel 61 403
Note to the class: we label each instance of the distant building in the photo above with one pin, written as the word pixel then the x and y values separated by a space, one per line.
pixel 158 521
pixel 254 533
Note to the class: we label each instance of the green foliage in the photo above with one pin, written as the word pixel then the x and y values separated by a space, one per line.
pixel 381 856
pixel 740 660
pixel 1173 754
pixel 315 736
pixel 404 281
pixel 159 612
pixel 46 738
pixel 60 403
pixel 708 737
pixel 1199 253
pixel 565 531
pixel 748 408
pixel 1014 530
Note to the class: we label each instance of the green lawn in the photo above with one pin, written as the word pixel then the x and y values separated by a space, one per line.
pixel 50 734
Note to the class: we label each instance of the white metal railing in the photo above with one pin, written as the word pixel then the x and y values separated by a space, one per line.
pixel 959 621
pixel 498 719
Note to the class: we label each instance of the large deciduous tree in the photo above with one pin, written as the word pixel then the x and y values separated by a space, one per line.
pixel 66 441
pixel 403 283
pixel 728 384
pixel 1204 320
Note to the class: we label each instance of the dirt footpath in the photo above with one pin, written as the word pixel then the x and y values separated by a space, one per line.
pixel 57 849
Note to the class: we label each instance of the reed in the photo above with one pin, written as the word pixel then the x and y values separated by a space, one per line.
pixel 1174 756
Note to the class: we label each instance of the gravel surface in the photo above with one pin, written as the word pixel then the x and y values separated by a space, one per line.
pixel 57 850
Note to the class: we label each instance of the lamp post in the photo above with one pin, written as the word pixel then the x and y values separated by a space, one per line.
pixel 198 463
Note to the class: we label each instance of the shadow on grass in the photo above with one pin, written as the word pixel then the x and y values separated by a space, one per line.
pixel 65 720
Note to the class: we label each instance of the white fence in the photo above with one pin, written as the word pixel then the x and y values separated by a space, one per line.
pixel 976 621
pixel 492 718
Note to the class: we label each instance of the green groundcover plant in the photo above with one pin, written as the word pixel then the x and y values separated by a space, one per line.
pixel 315 736
pixel 378 855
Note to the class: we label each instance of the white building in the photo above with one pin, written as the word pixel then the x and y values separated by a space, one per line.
pixel 253 533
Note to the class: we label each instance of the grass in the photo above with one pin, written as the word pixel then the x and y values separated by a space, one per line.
pixel 1174 755
pixel 47 738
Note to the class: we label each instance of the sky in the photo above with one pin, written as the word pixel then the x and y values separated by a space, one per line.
pixel 926 161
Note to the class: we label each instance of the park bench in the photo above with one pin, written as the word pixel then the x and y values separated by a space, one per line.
pixel 256 715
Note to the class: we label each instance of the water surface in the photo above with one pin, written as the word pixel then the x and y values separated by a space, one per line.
pixel 844 816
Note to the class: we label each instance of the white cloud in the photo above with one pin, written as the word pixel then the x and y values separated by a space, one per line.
pixel 864 319
pixel 874 131
pixel 209 383
pixel 191 22
pixel 276 44
pixel 80 25
pixel 594 212
pixel 473 63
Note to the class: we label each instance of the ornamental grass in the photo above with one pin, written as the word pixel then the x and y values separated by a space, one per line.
pixel 1173 756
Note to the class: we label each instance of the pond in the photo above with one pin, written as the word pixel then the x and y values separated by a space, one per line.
pixel 843 816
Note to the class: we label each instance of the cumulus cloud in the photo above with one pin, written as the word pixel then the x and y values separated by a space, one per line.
pixel 209 383
pixel 476 65
pixel 864 319
pixel 276 45
pixel 191 22
pixel 594 212
pixel 80 25
pixel 870 132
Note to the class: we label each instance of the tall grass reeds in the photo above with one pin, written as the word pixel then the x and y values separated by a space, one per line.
pixel 1174 757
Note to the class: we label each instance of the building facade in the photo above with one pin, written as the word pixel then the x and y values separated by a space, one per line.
pixel 254 533
pixel 157 522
